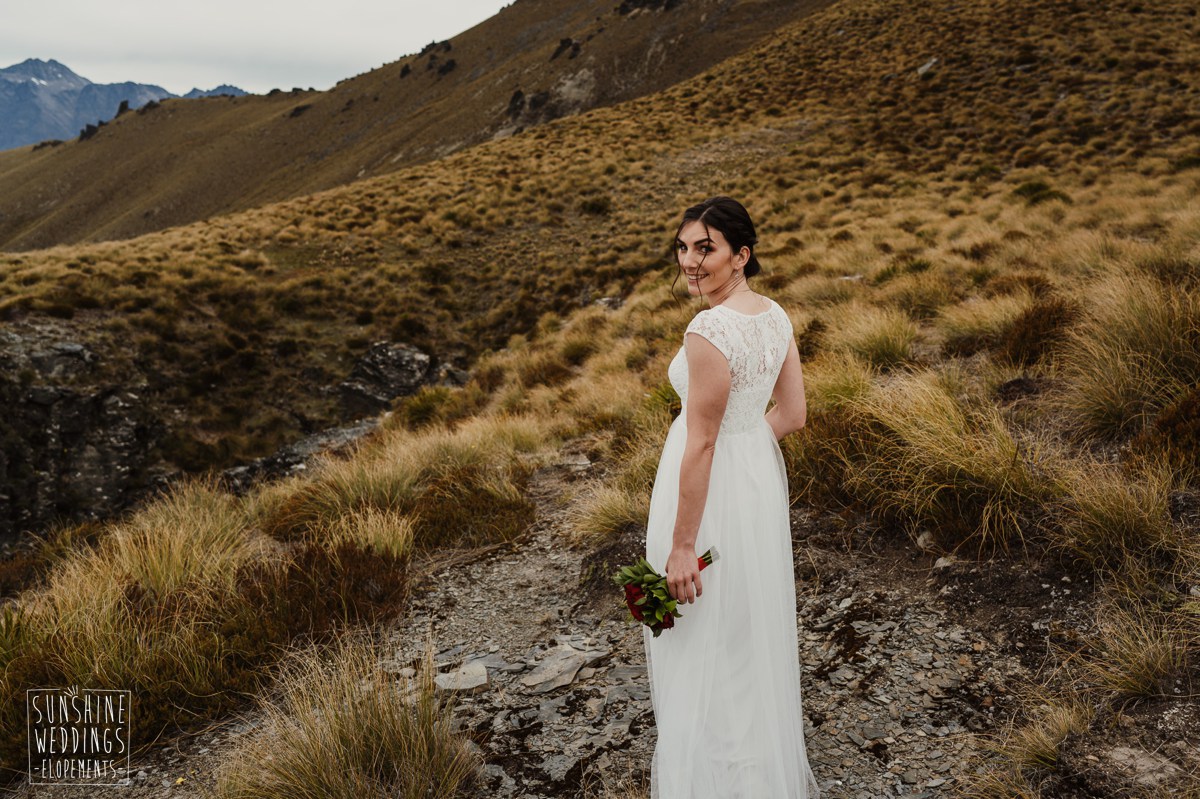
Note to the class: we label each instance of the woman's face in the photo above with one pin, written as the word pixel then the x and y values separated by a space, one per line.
pixel 706 258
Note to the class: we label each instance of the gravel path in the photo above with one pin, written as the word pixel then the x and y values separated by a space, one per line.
pixel 895 686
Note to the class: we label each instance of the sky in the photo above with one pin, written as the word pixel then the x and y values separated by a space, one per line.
pixel 257 45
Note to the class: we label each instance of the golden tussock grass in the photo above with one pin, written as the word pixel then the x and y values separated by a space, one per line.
pixel 836 380
pixel 186 548
pixel 1134 352
pixel 980 323
pixel 1113 516
pixel 933 460
pixel 343 727
pixel 1138 650
pixel 456 487
pixel 1020 755
pixel 881 337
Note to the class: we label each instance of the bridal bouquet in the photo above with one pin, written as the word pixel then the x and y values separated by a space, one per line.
pixel 646 593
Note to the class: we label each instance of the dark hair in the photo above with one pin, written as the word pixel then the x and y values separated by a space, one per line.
pixel 731 218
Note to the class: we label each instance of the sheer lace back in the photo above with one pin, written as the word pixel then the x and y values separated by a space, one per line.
pixel 755 346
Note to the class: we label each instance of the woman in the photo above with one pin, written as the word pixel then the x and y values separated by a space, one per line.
pixel 725 680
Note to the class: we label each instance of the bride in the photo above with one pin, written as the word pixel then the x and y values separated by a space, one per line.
pixel 725 680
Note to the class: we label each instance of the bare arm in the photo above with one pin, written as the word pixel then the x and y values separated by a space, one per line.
pixel 708 393
pixel 790 412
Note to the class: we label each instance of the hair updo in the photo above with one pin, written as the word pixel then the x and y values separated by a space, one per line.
pixel 731 218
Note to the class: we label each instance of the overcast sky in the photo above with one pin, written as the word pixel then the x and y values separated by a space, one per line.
pixel 257 45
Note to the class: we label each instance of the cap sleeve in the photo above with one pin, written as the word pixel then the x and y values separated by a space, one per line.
pixel 709 326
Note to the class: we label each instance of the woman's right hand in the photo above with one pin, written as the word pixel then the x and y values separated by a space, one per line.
pixel 683 570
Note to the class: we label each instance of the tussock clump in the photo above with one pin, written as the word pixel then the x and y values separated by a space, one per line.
pixel 1028 750
pixel 929 460
pixel 1110 517
pixel 1138 651
pixel 882 337
pixel 346 729
pixel 1037 330
pixel 1173 436
pixel 919 296
pixel 607 511
pixel 981 323
pixel 1136 351
pixel 819 458
pixel 808 341
pixel 432 405
pixel 459 487
pixel 836 380
pixel 1034 192
pixel 544 369
pixel 1021 281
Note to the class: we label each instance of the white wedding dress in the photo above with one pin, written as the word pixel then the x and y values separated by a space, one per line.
pixel 725 680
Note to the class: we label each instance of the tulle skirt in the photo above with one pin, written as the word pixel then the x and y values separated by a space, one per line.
pixel 725 680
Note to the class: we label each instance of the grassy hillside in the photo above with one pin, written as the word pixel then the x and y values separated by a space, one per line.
pixel 459 254
pixel 991 262
pixel 536 60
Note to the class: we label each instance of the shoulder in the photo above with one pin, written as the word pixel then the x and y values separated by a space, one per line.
pixel 710 325
pixel 705 319
pixel 781 312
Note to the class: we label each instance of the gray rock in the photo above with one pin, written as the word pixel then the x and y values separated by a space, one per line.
pixel 294 457
pixel 1144 768
pixel 468 678
pixel 561 664
pixel 390 369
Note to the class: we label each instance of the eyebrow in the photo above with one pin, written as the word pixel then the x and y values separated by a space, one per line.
pixel 706 239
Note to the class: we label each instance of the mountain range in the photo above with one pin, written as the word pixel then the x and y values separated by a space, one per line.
pixel 46 100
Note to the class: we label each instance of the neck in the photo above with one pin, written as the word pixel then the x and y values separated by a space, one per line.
pixel 736 285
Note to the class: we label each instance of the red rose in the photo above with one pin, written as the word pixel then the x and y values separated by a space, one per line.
pixel 668 621
pixel 632 594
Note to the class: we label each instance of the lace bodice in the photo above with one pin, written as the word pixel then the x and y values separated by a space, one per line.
pixel 755 346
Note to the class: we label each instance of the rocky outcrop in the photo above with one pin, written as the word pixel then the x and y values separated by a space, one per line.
pixel 293 458
pixel 76 445
pixel 68 448
pixel 388 370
